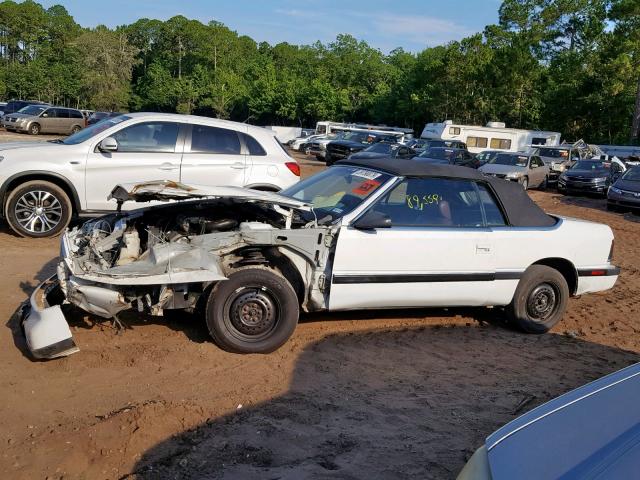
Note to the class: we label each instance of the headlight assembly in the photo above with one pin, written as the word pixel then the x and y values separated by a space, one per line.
pixel 615 190
pixel 514 175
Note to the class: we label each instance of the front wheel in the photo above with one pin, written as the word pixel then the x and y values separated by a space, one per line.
pixel 544 184
pixel 524 182
pixel 34 129
pixel 540 299
pixel 254 311
pixel 38 209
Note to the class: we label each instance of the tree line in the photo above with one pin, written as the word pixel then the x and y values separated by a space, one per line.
pixel 565 65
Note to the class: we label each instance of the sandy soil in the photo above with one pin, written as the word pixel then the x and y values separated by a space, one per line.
pixel 398 394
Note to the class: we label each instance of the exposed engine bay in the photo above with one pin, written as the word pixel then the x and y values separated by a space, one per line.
pixel 165 257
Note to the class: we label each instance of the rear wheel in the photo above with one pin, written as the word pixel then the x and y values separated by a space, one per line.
pixel 254 311
pixel 38 209
pixel 75 129
pixel 540 299
pixel 34 129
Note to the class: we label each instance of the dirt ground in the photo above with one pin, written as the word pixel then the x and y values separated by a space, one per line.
pixel 394 394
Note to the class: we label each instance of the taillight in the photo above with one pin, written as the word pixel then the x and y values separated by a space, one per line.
pixel 294 167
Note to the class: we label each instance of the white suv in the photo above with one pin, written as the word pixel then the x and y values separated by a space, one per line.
pixel 43 185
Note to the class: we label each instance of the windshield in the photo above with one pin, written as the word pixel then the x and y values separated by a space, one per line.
pixel 591 165
pixel 553 153
pixel 93 130
pixel 337 190
pixel 386 148
pixel 506 159
pixel 32 110
pixel 439 153
pixel 632 175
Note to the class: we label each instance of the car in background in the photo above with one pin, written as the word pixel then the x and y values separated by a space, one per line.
pixel 351 142
pixel 526 169
pixel 2 107
pixel 592 432
pixel 439 142
pixel 37 119
pixel 417 144
pixel 486 155
pixel 589 176
pixel 13 106
pixel 625 191
pixel 353 236
pixel 298 144
pixel 318 146
pixel 96 117
pixel 561 158
pixel 386 150
pixel 448 156
pixel 42 186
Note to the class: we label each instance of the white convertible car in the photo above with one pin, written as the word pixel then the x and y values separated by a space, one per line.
pixel 362 234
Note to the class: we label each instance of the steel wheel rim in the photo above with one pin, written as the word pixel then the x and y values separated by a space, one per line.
pixel 542 302
pixel 38 211
pixel 252 313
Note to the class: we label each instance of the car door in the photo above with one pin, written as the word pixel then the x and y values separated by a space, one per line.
pixel 537 172
pixel 48 120
pixel 213 156
pixel 437 252
pixel 146 151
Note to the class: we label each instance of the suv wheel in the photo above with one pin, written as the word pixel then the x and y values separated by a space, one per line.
pixel 540 299
pixel 75 129
pixel 34 129
pixel 524 182
pixel 38 209
pixel 254 311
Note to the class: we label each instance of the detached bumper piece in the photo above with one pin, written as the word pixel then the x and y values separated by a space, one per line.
pixel 47 332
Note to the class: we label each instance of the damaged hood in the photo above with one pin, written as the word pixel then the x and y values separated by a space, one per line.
pixel 165 190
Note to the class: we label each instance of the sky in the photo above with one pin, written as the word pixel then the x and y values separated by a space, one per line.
pixel 384 24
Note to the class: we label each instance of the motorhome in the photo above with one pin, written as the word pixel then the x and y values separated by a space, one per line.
pixel 494 136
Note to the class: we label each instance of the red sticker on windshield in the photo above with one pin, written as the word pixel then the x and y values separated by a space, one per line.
pixel 366 187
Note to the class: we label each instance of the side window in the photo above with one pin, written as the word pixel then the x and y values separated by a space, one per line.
pixel 432 202
pixel 478 142
pixel 148 137
pixel 253 145
pixel 48 113
pixel 75 114
pixel 501 143
pixel 492 212
pixel 214 140
pixel 454 130
pixel 59 113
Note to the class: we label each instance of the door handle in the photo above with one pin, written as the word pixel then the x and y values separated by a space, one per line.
pixel 483 249
pixel 238 165
pixel 168 166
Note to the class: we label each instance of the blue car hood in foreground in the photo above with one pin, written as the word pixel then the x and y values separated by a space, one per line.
pixel 592 432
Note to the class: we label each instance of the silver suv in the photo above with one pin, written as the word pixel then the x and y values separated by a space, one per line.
pixel 36 119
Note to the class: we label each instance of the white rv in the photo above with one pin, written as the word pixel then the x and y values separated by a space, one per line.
pixel 495 136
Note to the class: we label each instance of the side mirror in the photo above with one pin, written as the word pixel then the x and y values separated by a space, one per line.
pixel 44 115
pixel 109 144
pixel 372 220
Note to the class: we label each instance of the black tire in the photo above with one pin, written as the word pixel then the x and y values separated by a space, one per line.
pixel 540 299
pixel 38 209
pixel 75 129
pixel 34 129
pixel 328 159
pixel 255 311
pixel 525 182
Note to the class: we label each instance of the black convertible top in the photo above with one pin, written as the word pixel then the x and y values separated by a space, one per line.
pixel 520 210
